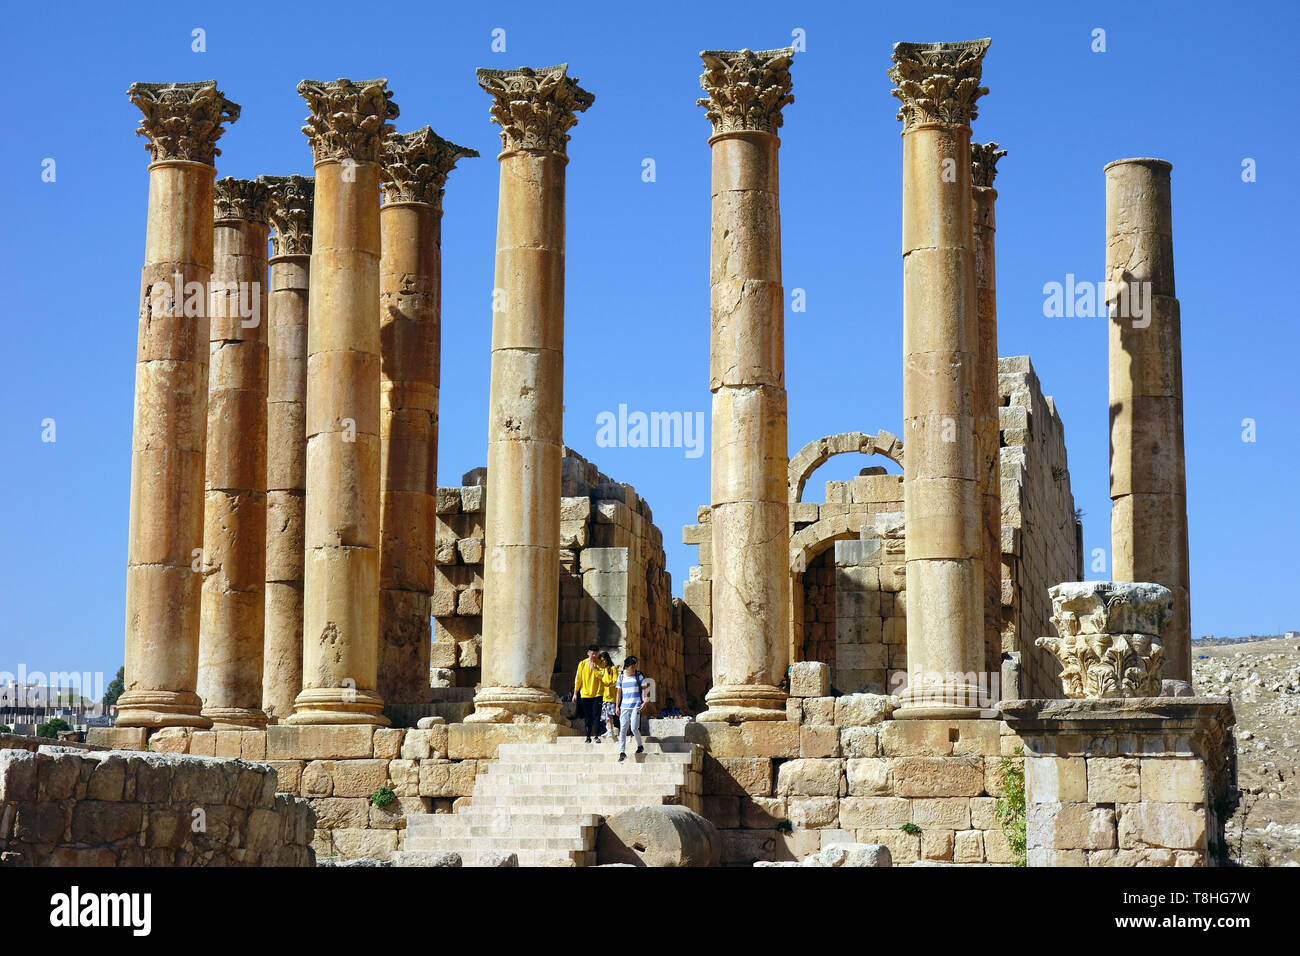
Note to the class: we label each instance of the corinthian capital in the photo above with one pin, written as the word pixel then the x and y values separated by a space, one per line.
pixel 938 82
pixel 415 166
pixel 182 120
pixel 984 163
pixel 347 120
pixel 535 108
pixel 290 211
pixel 244 199
pixel 747 89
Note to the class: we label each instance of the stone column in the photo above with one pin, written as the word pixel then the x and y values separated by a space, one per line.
pixel 414 174
pixel 749 486
pixel 234 524
pixel 1148 481
pixel 984 159
pixel 286 429
pixel 521 572
pixel 182 122
pixel 938 84
pixel 340 652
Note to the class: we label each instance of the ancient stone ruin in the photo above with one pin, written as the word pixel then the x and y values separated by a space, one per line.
pixel 867 679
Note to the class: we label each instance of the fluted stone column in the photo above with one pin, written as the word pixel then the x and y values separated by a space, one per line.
pixel 984 159
pixel 234 524
pixel 938 84
pixel 1148 481
pixel 414 174
pixel 286 429
pixel 340 651
pixel 163 585
pixel 521 574
pixel 747 91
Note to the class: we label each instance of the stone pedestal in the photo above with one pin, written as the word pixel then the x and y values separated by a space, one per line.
pixel 747 91
pixel 346 127
pixel 521 582
pixel 938 85
pixel 1148 483
pixel 286 417
pixel 414 174
pixel 234 525
pixel 182 122
pixel 1138 782
pixel 988 439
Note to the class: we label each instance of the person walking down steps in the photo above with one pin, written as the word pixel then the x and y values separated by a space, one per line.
pixel 589 691
pixel 630 704
pixel 608 710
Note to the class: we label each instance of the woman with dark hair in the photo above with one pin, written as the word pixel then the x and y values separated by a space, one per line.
pixel 608 712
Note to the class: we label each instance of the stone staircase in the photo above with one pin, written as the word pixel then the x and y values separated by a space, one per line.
pixel 546 802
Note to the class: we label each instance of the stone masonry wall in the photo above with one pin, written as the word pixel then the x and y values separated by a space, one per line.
pixel 838 770
pixel 1042 542
pixel 1136 782
pixel 66 807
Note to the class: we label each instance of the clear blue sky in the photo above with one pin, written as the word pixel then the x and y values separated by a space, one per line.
pixel 1195 84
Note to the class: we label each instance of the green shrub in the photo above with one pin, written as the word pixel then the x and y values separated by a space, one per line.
pixel 911 829
pixel 1010 807
pixel 383 797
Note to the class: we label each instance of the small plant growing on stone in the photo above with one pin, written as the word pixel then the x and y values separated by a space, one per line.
pixel 1010 809
pixel 383 797
pixel 784 826
pixel 6 729
pixel 911 829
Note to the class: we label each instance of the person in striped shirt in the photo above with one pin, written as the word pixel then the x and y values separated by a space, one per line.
pixel 630 704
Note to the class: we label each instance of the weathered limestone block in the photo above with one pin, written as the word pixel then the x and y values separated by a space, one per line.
pixel 811 778
pixel 810 679
pixel 1071 826
pixel 863 710
pixel 813 813
pixel 738 776
pixel 937 776
pixel 1056 780
pixel 851 854
pixel 670 836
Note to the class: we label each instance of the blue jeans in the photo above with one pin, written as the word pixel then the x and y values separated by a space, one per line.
pixel 629 716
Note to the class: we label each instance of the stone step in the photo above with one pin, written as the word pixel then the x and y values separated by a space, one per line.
pixel 549 803
pixel 578 745
pixel 546 802
pixel 506 842
pixel 590 776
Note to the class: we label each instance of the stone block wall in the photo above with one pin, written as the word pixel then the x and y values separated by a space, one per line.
pixel 1136 782
pixel 838 770
pixel 66 807
pixel 614 589
pixel 1042 542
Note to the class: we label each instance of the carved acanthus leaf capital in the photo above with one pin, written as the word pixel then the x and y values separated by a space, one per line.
pixel 182 120
pixel 938 82
pixel 242 199
pixel 535 108
pixel 290 211
pixel 747 89
pixel 984 163
pixel 348 121
pixel 415 166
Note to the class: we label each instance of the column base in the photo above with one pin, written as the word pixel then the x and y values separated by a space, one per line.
pixel 236 718
pixel 161 708
pixel 336 705
pixel 950 700
pixel 733 703
pixel 515 705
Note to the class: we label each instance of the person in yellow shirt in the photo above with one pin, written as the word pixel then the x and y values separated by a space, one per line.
pixel 609 712
pixel 589 690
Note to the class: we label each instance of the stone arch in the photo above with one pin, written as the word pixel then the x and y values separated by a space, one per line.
pixel 806 546
pixel 816 453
